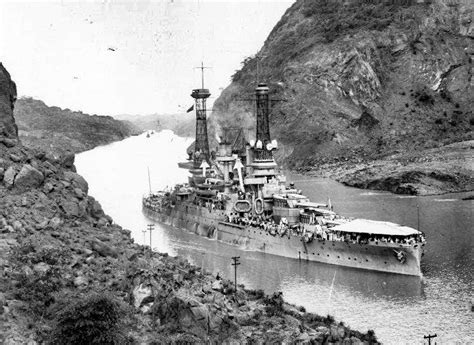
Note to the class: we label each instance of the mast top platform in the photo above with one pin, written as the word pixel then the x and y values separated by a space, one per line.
pixel 262 88
pixel 200 93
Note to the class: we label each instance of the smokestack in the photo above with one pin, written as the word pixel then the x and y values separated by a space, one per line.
pixel 263 126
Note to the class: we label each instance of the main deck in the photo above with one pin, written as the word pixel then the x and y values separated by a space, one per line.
pixel 375 256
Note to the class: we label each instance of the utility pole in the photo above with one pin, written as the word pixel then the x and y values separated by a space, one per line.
pixel 429 336
pixel 235 264
pixel 144 236
pixel 149 180
pixel 151 227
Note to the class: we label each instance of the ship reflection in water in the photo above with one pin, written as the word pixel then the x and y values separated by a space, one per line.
pixel 401 309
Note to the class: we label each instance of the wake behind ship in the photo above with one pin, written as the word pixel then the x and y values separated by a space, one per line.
pixel 236 195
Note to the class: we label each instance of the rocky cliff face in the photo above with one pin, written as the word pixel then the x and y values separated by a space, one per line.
pixel 8 128
pixel 362 80
pixel 71 276
pixel 62 130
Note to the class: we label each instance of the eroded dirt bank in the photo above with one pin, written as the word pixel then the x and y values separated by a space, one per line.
pixel 446 169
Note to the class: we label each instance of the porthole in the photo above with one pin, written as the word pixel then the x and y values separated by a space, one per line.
pixel 318 254
pixel 366 260
pixel 385 262
pixel 349 258
pixel 313 253
pixel 328 255
pixel 338 257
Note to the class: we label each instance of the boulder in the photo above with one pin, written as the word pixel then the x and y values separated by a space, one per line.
pixel 41 225
pixel 103 249
pixel 95 208
pixel 71 208
pixel 78 193
pixel 54 223
pixel 9 177
pixel 217 285
pixel 15 158
pixel 67 160
pixel 17 225
pixel 141 293
pixel 48 187
pixel 8 142
pixel 50 167
pixel 76 180
pixel 41 268
pixel 28 177
pixel 81 281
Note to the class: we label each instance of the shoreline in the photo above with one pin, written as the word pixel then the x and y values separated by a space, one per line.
pixel 438 171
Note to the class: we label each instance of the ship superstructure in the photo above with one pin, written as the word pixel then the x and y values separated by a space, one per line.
pixel 238 196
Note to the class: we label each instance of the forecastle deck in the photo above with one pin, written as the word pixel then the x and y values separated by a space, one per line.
pixel 376 256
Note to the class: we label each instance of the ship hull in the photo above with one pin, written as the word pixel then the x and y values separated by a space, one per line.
pixel 208 223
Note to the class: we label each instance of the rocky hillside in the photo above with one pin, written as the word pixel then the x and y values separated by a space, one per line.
pixel 8 128
pixel 71 276
pixel 62 130
pixel 361 80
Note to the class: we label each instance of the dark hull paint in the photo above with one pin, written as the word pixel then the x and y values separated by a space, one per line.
pixel 203 222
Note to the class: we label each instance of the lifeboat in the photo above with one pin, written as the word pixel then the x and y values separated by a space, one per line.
pixel 258 206
pixel 242 206
pixel 207 193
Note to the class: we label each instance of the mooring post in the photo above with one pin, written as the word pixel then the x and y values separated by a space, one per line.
pixel 144 236
pixel 151 227
pixel 235 264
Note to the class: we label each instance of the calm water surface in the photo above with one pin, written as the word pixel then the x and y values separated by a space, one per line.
pixel 400 309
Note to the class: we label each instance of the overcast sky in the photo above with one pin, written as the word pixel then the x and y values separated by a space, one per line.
pixel 129 57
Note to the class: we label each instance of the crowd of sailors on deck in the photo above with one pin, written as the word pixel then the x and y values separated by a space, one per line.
pixel 156 201
pixel 262 222
pixel 318 232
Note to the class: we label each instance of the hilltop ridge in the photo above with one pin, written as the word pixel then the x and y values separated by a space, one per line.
pixel 362 81
pixel 59 130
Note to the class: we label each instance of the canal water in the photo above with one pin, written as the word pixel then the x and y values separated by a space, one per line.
pixel 400 309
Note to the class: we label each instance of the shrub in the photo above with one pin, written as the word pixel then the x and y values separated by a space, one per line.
pixel 336 18
pixel 329 320
pixel 274 304
pixel 38 289
pixel 93 319
pixel 255 294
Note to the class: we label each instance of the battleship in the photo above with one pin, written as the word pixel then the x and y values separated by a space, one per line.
pixel 237 195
